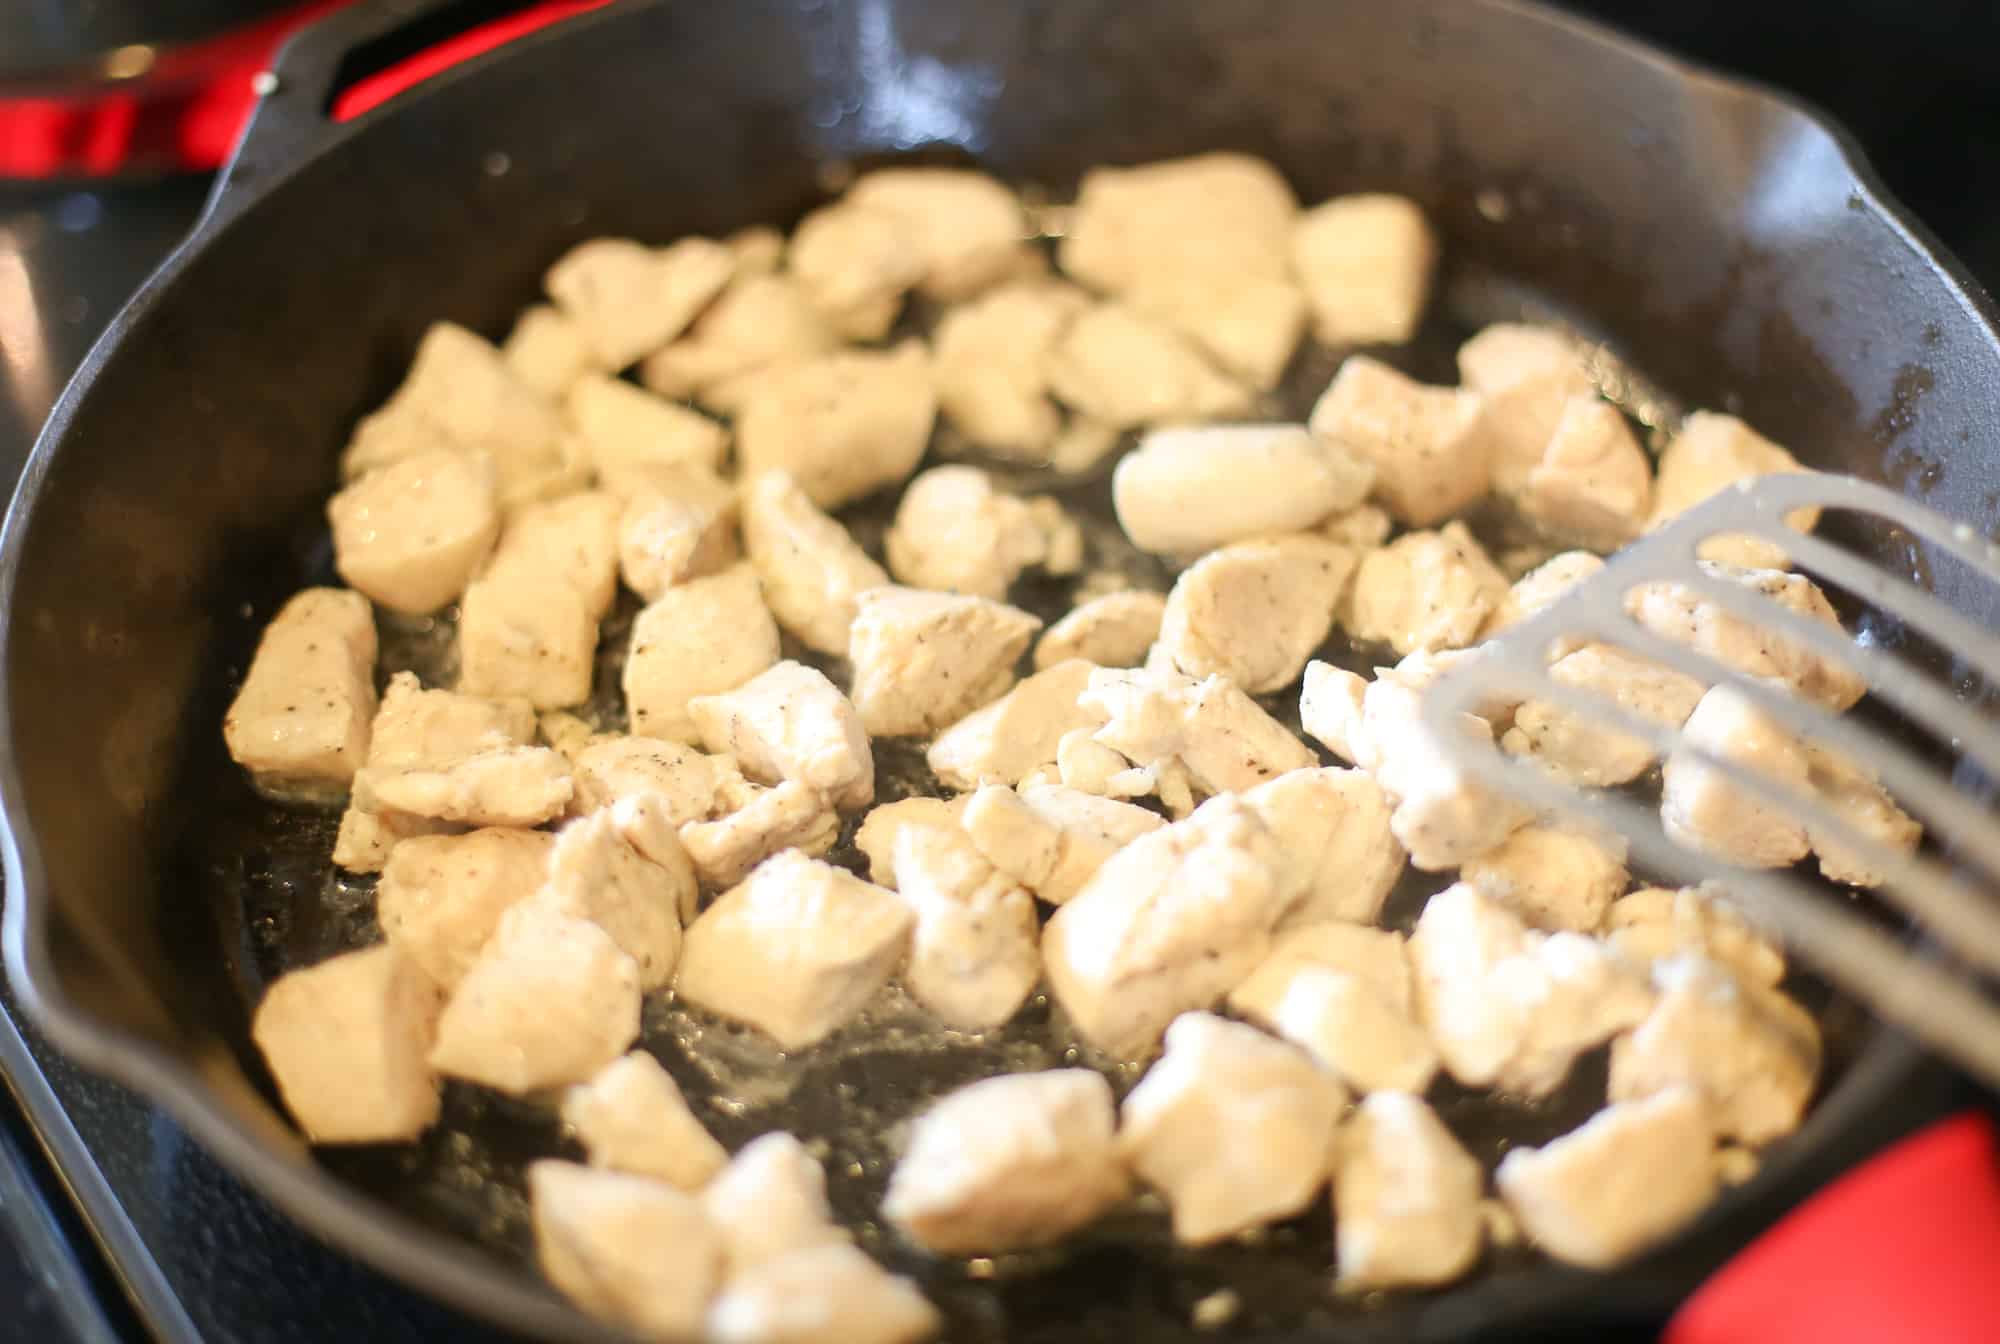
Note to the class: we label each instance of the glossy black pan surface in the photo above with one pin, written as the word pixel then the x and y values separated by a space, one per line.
pixel 1726 243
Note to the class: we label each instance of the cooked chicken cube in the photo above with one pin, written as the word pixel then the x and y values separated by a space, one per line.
pixel 632 1117
pixel 1711 453
pixel 1656 924
pixel 1332 710
pixel 701 637
pixel 810 567
pixel 1375 957
pixel 1008 1163
pixel 596 874
pixel 1585 751
pixel 1425 590
pixel 347 1041
pixel 770 1200
pixel 1170 923
pixel 629 299
pixel 676 523
pixel 1114 630
pixel 1190 489
pixel 758 322
pixel 1232 1126
pixel 876 837
pixel 1255 611
pixel 1405 1197
pixel 459 758
pixel 1082 444
pixel 1751 1053
pixel 1049 838
pixel 1538 589
pixel 1553 876
pixel 1703 809
pixel 1677 612
pixel 627 431
pixel 441 896
pixel 1851 791
pixel 1528 376
pixel 1365 262
pixel 794 950
pixel 821 1295
pixel 686 783
pixel 300 723
pixel 547 351
pixel 855 262
pixel 1225 741
pixel 1593 484
pixel 1088 766
pixel 790 722
pixel 1333 827
pixel 549 1001
pixel 760 822
pixel 1575 995
pixel 1356 1034
pixel 843 425
pixel 1363 527
pixel 990 364
pixel 757 250
pixel 1428 444
pixel 1249 327
pixel 1632 1176
pixel 1016 734
pixel 411 534
pixel 366 839
pixel 628 1250
pixel 530 637
pixel 966 228
pixel 572 539
pixel 973 951
pixel 955 533
pixel 1120 368
pixel 923 660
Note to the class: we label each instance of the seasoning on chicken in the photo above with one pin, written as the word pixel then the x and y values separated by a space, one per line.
pixel 990 364
pixel 1050 838
pixel 1365 262
pixel 1114 630
pixel 954 532
pixel 1528 377
pixel 820 1295
pixel 1005 741
pixel 676 523
pixel 1629 1177
pixel 547 351
pixel 790 722
pixel 1008 1163
pixel 844 425
pixel 1423 591
pixel 1703 809
pixel 1553 876
pixel 974 956
pixel 441 896
pixel 754 824
pixel 770 1200
pixel 923 660
pixel 1538 589
pixel 794 950
pixel 1677 612
pixel 1189 489
pixel 1118 367
pixel 966 229
pixel 1711 453
pixel 348 1042
pixel 631 1117
pixel 573 539
pixel 1593 485
pixel 1405 1197
pixel 596 874
pixel 684 784
pixel 459 758
pixel 526 636
pixel 1429 445
pixel 855 263
pixel 412 534
pixel 1577 746
pixel 628 1250
pixel 760 321
pixel 1655 924
pixel 1220 736
pixel 301 722
pixel 1255 611
pixel 1851 791
pixel 629 299
pixel 1333 827
pixel 877 834
pixel 697 638
pixel 811 569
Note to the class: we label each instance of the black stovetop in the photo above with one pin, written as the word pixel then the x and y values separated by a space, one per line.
pixel 115 1227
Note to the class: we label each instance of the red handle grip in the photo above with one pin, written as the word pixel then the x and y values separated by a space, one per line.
pixel 384 84
pixel 1903 1250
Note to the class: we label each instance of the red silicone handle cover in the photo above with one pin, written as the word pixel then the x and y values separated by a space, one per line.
pixel 386 83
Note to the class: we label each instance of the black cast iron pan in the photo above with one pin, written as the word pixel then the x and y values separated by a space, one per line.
pixel 1725 241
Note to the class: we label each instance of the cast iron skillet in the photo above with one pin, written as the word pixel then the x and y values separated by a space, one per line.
pixel 1729 243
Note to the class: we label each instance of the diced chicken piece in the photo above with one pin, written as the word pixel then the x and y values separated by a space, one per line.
pixel 1050 838
pixel 844 425
pixel 1425 590
pixel 632 1117
pixel 1168 924
pixel 441 896
pixel 677 523
pixel 1008 1163
pixel 1553 876
pixel 1255 611
pixel 1657 924
pixel 628 1250
pixel 757 250
pixel 1365 262
pixel 877 834
pixel 1222 737
pixel 1088 766
pixel 1538 589
pixel 821 1295
pixel 1677 612
pixel 955 533
pixel 1120 368
pixel 990 364
pixel 1852 792
pixel 413 533
pixel 973 951
pixel 549 1001
pixel 1711 453
pixel 810 567
pixel 701 637
pixel 967 229
pixel 923 660
pixel 1528 377
pixel 1630 1177
pixel 366 839
pixel 1750 1052
pixel 547 351
pixel 1249 327
pixel 572 539
pixel 525 636
pixel 627 431
pixel 458 758
pixel 1114 630
pixel 300 723
pixel 1190 489
pixel 794 950
pixel 1591 753
pixel 1406 1210
pixel 1362 528
pixel 855 262
pixel 1016 734
pixel 790 722
pixel 770 1200
pixel 596 874
pixel 1332 704
pixel 1702 809
pixel 1233 1127
pixel 347 1041
pixel 1354 1033
pixel 760 321
pixel 686 783
pixel 1333 827
pixel 629 299
pixel 1428 445
pixel 1082 444
pixel 761 822
pixel 1375 957
pixel 1574 996
pixel 1592 485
